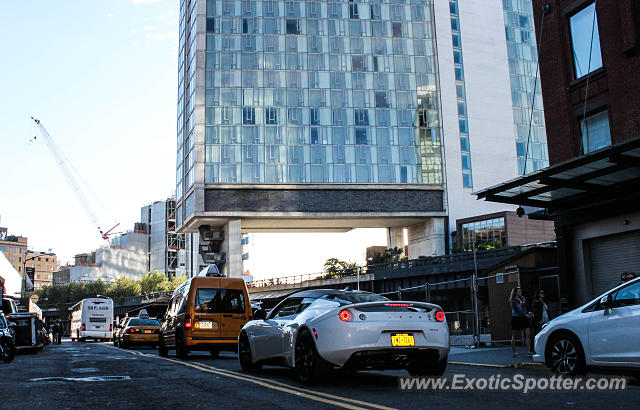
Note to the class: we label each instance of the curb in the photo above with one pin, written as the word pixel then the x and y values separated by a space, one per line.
pixel 526 365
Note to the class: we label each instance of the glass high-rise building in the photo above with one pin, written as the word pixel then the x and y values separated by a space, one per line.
pixel 320 116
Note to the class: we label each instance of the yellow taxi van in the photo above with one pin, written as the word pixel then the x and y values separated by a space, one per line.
pixel 205 313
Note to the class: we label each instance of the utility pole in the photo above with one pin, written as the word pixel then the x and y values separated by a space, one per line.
pixel 474 292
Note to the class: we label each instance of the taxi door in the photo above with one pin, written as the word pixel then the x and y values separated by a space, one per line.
pixel 233 309
pixel 206 320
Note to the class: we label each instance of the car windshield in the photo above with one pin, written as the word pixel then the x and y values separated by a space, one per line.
pixel 345 298
pixel 144 322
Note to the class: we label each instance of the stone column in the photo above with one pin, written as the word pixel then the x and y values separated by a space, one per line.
pixel 233 248
pixel 395 238
pixel 427 238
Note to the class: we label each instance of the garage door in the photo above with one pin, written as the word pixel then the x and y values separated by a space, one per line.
pixel 612 255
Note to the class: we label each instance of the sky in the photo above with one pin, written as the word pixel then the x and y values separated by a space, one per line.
pixel 101 76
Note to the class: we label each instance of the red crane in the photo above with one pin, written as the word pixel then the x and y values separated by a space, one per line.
pixel 62 161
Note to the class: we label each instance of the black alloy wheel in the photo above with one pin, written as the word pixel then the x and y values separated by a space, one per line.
pixel 244 355
pixel 309 366
pixel 564 355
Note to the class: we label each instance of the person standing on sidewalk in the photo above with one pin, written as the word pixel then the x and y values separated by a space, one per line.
pixel 519 320
pixel 541 313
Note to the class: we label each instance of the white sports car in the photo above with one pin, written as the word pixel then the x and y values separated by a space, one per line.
pixel 317 330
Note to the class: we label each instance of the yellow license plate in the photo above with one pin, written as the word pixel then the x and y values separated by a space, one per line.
pixel 402 339
pixel 148 331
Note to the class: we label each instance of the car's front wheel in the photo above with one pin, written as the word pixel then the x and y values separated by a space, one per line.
pixel 7 350
pixel 244 355
pixel 309 366
pixel 421 368
pixel 565 356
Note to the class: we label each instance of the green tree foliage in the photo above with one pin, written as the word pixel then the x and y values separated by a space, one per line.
pixel 335 268
pixel 65 296
pixel 389 255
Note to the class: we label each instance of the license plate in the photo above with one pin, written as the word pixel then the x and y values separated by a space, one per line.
pixel 402 339
pixel 206 325
pixel 147 331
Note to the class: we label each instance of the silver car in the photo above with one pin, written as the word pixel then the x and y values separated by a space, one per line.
pixel 318 330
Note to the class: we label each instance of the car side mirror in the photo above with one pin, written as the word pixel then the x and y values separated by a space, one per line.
pixel 260 314
pixel 606 302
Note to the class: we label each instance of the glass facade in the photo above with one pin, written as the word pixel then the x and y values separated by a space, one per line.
pixel 486 234
pixel 312 92
pixel 461 95
pixel 523 60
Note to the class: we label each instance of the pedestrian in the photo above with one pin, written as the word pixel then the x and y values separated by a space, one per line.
pixel 540 309
pixel 627 276
pixel 519 320
pixel 56 332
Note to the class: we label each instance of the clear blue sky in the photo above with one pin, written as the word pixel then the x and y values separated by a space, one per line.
pixel 101 76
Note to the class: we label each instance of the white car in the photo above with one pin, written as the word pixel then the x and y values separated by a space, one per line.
pixel 603 333
pixel 317 330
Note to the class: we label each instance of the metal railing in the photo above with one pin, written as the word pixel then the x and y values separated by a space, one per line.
pixel 306 277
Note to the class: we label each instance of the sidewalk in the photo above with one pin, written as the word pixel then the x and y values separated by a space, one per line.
pixel 493 357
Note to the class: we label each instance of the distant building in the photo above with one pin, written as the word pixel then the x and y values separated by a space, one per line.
pixel 14 248
pixel 62 276
pixel 109 264
pixel 165 247
pixel 45 264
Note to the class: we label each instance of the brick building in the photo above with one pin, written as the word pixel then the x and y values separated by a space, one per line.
pixel 589 60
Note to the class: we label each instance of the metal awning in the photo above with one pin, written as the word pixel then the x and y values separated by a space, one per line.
pixel 601 175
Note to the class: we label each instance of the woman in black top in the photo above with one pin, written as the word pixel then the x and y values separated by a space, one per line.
pixel 541 313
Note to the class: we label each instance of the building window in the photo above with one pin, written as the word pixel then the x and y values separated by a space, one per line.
pixel 487 234
pixel 595 132
pixel 585 40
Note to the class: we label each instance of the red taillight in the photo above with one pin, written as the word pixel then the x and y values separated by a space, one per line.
pixel 344 315
pixel 187 322
pixel 84 327
pixel 111 328
pixel 399 304
pixel 132 330
pixel 440 316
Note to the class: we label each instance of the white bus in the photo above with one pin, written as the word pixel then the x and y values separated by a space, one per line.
pixel 92 319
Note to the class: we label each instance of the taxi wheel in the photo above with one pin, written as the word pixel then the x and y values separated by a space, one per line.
pixel 124 344
pixel 162 349
pixel 214 353
pixel 115 342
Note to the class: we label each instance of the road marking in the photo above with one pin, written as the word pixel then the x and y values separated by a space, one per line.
pixel 273 385
pixel 80 379
pixel 482 364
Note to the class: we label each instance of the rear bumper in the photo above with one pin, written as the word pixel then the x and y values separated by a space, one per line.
pixel 391 359
pixel 91 334
pixel 141 339
pixel 209 343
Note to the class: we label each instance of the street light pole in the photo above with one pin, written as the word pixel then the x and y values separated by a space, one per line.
pixel 24 274
pixel 474 291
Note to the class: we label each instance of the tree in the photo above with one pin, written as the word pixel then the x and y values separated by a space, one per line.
pixel 336 268
pixel 388 255
pixel 154 282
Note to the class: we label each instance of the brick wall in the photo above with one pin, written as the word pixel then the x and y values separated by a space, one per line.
pixel 615 87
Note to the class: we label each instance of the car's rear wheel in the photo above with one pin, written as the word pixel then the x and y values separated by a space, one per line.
pixel 214 353
pixel 423 368
pixel 124 344
pixel 115 342
pixel 244 355
pixel 162 349
pixel 565 356
pixel 309 366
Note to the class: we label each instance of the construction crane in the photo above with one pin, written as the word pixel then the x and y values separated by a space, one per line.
pixel 64 167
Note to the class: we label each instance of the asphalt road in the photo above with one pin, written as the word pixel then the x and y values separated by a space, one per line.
pixel 98 375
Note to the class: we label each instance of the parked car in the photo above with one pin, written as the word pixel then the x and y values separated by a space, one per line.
pixel 317 330
pixel 205 313
pixel 140 330
pixel 600 334
pixel 7 340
